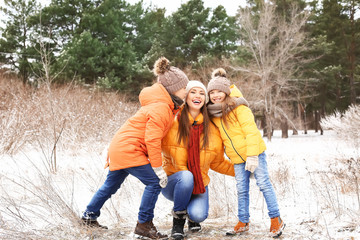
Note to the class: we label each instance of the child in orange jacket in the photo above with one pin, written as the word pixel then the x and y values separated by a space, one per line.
pixel 136 148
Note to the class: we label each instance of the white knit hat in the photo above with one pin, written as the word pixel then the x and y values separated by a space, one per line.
pixel 196 83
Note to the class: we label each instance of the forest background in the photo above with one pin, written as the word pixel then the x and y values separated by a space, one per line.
pixel 295 61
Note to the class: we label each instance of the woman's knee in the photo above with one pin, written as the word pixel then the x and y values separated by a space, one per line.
pixel 186 178
pixel 197 214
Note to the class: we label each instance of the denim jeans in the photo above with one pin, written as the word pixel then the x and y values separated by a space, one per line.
pixel 261 175
pixel 113 182
pixel 179 190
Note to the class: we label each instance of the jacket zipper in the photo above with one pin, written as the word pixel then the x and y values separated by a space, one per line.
pixel 222 125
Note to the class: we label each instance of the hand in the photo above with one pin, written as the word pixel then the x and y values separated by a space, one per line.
pixel 252 163
pixel 161 174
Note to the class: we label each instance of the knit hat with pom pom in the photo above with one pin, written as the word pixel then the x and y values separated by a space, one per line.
pixel 172 78
pixel 219 81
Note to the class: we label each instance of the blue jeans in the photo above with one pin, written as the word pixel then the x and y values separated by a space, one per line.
pixel 113 182
pixel 179 190
pixel 261 175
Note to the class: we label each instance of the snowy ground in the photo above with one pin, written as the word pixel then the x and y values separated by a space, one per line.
pixel 38 204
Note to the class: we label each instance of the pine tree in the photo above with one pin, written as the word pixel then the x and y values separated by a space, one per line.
pixel 15 46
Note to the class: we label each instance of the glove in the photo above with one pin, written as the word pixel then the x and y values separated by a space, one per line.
pixel 252 163
pixel 161 174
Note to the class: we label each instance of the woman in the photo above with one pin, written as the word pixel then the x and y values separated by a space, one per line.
pixel 191 147
pixel 136 148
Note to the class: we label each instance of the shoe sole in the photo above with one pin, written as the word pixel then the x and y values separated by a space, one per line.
pixel 195 229
pixel 233 233
pixel 137 236
pixel 279 234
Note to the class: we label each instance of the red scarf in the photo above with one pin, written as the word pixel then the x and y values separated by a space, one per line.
pixel 194 157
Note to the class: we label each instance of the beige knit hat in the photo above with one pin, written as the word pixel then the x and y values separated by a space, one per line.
pixel 172 78
pixel 219 81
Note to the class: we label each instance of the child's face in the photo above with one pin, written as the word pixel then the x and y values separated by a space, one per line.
pixel 196 98
pixel 216 96
pixel 181 93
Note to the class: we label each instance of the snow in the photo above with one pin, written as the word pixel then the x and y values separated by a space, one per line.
pixel 315 203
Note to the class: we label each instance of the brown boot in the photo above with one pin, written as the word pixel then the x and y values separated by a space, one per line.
pixel 92 223
pixel 148 230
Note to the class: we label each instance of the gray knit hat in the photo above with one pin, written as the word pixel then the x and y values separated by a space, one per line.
pixel 219 81
pixel 172 78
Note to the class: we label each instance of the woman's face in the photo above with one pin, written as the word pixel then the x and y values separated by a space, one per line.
pixel 217 96
pixel 181 93
pixel 196 98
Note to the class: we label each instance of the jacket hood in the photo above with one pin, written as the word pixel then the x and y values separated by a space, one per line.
pixel 155 94
pixel 235 92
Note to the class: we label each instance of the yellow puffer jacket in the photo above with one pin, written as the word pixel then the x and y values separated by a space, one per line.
pixel 241 138
pixel 175 155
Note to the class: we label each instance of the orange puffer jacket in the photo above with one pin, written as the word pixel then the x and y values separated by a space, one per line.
pixel 138 141
pixel 175 154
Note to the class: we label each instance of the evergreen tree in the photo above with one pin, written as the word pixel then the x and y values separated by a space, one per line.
pixel 102 52
pixel 221 35
pixel 15 47
pixel 334 28
pixel 183 36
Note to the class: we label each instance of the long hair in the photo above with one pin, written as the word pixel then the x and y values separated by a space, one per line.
pixel 185 125
pixel 227 107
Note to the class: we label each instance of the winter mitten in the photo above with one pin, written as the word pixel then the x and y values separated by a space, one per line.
pixel 251 163
pixel 159 171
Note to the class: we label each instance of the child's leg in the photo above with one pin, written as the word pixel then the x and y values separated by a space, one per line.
pixel 261 175
pixel 151 192
pixel 242 185
pixel 112 183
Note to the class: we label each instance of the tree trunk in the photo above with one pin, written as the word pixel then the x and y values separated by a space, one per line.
pixel 317 119
pixel 305 127
pixel 284 128
pixel 352 59
pixel 269 130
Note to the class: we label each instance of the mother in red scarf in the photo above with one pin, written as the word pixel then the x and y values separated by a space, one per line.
pixel 191 147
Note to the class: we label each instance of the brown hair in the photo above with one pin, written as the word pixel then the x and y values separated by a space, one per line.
pixel 227 106
pixel 184 126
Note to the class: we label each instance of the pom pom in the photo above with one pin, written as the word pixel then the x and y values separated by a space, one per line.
pixel 219 72
pixel 161 66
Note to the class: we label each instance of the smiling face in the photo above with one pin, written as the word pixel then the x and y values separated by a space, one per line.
pixel 196 98
pixel 217 96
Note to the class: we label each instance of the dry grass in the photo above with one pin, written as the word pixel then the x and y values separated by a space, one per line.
pixel 49 120
pixel 37 202
pixel 69 116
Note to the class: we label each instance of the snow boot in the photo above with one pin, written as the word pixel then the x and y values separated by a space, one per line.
pixel 193 226
pixel 148 230
pixel 239 228
pixel 277 226
pixel 93 223
pixel 177 231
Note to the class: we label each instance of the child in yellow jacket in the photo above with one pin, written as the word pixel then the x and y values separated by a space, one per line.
pixel 244 146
